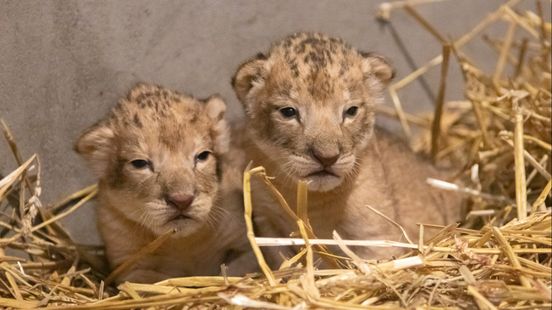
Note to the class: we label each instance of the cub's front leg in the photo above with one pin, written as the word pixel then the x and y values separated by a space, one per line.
pixel 143 271
pixel 118 250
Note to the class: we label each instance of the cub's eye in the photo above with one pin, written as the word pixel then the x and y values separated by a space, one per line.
pixel 203 156
pixel 288 112
pixel 140 163
pixel 352 111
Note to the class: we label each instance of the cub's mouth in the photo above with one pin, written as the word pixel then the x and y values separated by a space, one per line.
pixel 321 174
pixel 180 217
pixel 323 180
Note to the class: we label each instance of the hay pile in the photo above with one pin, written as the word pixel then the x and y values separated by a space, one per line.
pixel 501 136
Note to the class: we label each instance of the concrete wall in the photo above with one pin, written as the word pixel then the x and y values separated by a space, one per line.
pixel 63 64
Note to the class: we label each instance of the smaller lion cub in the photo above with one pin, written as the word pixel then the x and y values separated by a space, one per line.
pixel 160 159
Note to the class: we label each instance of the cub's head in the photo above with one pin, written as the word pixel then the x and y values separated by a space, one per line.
pixel 156 155
pixel 310 105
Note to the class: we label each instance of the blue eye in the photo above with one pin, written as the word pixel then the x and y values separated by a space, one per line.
pixel 288 112
pixel 203 156
pixel 352 111
pixel 140 163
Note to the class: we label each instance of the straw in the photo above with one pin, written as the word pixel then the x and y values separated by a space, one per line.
pixel 497 141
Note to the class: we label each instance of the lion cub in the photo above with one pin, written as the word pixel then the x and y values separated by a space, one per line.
pixel 160 158
pixel 309 106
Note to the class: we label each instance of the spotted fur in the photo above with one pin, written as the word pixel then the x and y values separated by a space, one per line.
pixel 347 162
pixel 166 131
pixel 320 77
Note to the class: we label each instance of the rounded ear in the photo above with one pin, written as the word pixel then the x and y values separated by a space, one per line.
pixel 215 107
pixel 247 74
pixel 95 145
pixel 378 66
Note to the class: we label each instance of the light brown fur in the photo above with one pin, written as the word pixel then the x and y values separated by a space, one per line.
pixel 167 130
pixel 332 89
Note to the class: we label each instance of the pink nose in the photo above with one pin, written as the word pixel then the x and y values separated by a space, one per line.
pixel 326 160
pixel 180 201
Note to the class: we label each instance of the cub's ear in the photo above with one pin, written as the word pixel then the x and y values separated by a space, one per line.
pixel 378 66
pixel 95 145
pixel 215 108
pixel 249 75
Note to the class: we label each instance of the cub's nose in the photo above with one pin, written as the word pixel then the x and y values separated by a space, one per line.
pixel 327 160
pixel 180 201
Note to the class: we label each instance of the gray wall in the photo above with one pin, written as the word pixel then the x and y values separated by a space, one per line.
pixel 63 64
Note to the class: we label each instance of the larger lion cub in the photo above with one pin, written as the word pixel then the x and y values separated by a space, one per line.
pixel 160 158
pixel 309 104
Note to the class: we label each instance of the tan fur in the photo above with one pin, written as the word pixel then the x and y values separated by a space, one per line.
pixel 322 78
pixel 168 130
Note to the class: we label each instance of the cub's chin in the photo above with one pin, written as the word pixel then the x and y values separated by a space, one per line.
pixel 182 227
pixel 322 181
pixel 181 223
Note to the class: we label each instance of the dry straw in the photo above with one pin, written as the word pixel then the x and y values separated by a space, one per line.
pixel 499 136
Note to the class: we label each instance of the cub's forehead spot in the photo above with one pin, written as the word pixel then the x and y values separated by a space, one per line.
pixel 153 119
pixel 305 53
pixel 157 108
pixel 314 67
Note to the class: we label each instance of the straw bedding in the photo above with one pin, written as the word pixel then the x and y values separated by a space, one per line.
pixel 500 258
